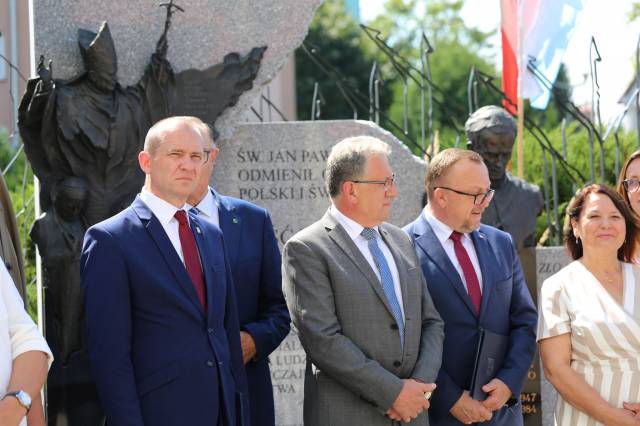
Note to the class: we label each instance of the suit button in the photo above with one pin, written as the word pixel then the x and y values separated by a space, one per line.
pixel 210 331
pixel 397 363
pixel 210 363
pixel 394 326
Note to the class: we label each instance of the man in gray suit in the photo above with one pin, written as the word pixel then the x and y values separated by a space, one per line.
pixel 359 301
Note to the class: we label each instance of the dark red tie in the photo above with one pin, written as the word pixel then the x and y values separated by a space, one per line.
pixel 470 276
pixel 191 256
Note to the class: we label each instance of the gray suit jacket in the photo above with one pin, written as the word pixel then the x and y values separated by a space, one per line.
pixel 355 364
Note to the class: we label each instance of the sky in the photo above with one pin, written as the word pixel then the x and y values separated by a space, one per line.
pixel 605 20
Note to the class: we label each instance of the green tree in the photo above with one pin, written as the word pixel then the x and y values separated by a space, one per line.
pixel 578 154
pixel 341 48
pixel 456 50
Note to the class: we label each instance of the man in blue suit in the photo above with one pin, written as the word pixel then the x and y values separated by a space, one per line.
pixel 254 258
pixel 476 282
pixel 161 315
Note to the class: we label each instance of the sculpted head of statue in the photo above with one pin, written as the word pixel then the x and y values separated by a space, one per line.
pixel 491 132
pixel 99 57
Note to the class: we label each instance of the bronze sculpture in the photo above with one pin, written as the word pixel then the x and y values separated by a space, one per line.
pixel 82 137
pixel 491 132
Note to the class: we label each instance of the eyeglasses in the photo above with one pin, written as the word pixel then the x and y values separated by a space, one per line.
pixel 631 185
pixel 478 199
pixel 387 183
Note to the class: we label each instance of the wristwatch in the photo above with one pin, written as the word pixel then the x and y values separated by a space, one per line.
pixel 23 398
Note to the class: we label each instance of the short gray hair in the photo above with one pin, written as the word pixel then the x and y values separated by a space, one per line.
pixel 347 160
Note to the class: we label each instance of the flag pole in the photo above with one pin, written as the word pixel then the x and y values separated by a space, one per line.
pixel 520 102
pixel 520 133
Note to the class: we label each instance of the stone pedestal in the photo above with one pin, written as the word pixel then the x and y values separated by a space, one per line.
pixel 549 260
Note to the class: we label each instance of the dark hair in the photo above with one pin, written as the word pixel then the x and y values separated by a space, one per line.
pixel 626 251
pixel 623 174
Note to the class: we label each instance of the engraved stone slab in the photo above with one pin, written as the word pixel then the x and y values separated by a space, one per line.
pixel 199 37
pixel 549 261
pixel 280 166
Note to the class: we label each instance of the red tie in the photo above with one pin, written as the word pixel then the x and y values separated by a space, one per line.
pixel 473 286
pixel 191 256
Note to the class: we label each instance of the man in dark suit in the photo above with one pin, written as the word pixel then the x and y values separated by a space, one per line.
pixel 162 324
pixel 254 258
pixel 476 282
pixel 359 301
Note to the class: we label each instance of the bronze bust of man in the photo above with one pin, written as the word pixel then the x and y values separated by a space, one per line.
pixel 491 132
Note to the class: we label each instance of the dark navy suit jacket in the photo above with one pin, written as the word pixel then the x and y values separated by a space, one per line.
pixel 255 263
pixel 506 309
pixel 156 356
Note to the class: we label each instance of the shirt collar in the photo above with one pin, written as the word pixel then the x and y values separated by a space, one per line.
pixel 161 209
pixel 353 228
pixel 208 204
pixel 441 229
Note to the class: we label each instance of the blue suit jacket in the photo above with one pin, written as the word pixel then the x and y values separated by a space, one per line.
pixel 156 356
pixel 506 309
pixel 255 263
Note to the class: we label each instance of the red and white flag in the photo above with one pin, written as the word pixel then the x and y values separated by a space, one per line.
pixel 536 32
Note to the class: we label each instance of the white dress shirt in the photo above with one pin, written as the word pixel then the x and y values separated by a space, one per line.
pixel 443 233
pixel 165 213
pixel 208 208
pixel 18 332
pixel 354 230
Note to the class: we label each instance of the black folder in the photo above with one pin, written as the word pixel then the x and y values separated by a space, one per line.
pixel 492 348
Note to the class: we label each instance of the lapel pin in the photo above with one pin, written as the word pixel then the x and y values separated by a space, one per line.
pixel 198 230
pixel 235 220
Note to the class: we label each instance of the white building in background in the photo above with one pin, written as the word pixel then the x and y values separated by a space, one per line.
pixel 630 120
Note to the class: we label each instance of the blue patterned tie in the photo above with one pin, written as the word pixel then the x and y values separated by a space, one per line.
pixel 386 278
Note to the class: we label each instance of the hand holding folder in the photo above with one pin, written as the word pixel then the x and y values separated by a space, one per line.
pixel 490 354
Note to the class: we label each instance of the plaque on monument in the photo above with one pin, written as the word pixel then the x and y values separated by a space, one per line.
pixel 280 166
pixel 549 261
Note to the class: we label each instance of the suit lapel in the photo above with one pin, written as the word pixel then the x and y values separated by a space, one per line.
pixel 488 264
pixel 230 223
pixel 168 252
pixel 428 242
pixel 346 244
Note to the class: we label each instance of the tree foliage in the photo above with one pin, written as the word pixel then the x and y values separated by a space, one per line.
pixel 336 42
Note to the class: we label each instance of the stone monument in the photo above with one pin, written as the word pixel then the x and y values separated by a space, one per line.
pixel 280 166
